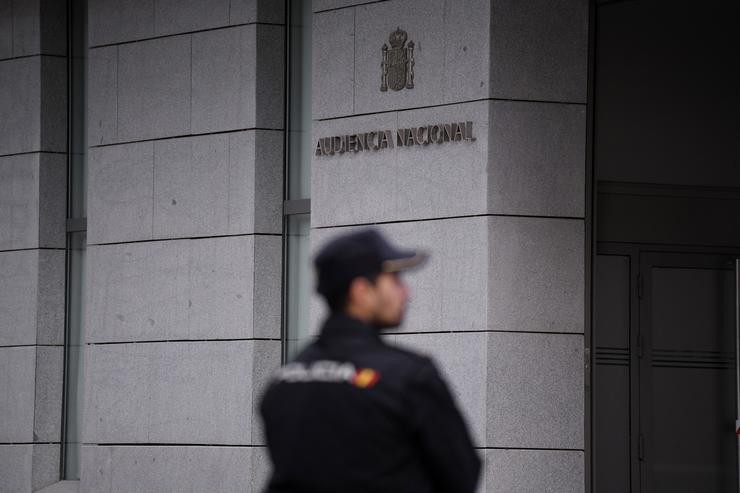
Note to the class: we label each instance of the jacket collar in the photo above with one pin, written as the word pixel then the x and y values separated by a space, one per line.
pixel 342 325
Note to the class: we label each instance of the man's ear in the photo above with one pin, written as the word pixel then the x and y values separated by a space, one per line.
pixel 358 289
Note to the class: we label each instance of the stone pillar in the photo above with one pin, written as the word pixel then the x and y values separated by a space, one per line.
pixel 33 174
pixel 184 242
pixel 501 303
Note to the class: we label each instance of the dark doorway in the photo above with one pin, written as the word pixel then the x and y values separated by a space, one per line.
pixel 666 138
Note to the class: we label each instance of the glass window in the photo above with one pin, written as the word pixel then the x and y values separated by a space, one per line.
pixel 76 238
pixel 297 221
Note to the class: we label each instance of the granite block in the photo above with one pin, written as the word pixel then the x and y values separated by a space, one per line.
pixel 52 201
pixel 222 288
pixel 19 201
pixel 50 292
pixel 116 21
pixel 120 193
pixel 45 469
pixel 102 95
pixel 523 471
pixel 155 468
pixel 191 182
pixel 6 29
pixel 269 89
pixel 180 16
pixel 535 392
pixel 17 365
pixel 53 133
pixel 451 53
pixel 539 50
pixel 333 63
pixel 250 11
pixel 154 88
pixel 268 279
pixel 404 182
pixel 536 274
pixel 224 79
pixel 15 468
pixel 138 291
pixel 20 105
pixel 177 392
pixel 19 273
pixel 268 183
pixel 537 159
pixel 47 423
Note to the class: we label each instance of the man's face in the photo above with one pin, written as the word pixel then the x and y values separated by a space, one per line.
pixel 391 296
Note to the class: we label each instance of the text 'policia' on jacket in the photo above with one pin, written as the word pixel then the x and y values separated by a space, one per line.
pixel 353 414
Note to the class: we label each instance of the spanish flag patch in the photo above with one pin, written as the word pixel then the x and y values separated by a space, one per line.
pixel 365 378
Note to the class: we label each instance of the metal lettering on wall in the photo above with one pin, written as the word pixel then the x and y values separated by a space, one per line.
pixel 398 62
pixel 376 140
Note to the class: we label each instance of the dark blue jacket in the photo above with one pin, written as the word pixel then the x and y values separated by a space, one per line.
pixel 353 414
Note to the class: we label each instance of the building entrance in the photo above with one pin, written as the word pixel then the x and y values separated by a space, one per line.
pixel 666 116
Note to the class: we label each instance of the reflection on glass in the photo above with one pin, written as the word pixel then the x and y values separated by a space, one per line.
pixel 74 350
pixel 298 280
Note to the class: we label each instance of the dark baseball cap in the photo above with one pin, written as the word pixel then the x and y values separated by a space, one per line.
pixel 362 253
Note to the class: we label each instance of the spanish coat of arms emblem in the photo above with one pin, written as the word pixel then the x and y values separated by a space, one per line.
pixel 398 62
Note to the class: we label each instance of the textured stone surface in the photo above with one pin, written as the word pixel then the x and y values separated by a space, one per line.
pixel 249 11
pixel 6 28
pixel 178 392
pixel 18 297
pixel 451 52
pixel 52 201
pixel 115 21
pixel 536 274
pixel 71 486
pixel 224 288
pixel 224 79
pixel 218 184
pixel 535 391
pixel 20 105
pixel 268 260
pixel 154 82
pixel 524 471
pixel 537 159
pixel 462 360
pixel 120 193
pixel 458 251
pixel 178 16
pixel 400 183
pixel 47 424
pixel 191 181
pixel 269 94
pixel 15 467
pixel 333 64
pixel 138 291
pixel 256 182
pixel 53 107
pixel 45 468
pixel 19 201
pixel 152 468
pixel 102 95
pixel 38 26
pixel 50 297
pixel 320 5
pixel 539 50
pixel 17 366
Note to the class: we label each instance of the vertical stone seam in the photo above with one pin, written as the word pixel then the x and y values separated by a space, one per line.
pixel 154 164
pixel 190 96
pixel 354 56
pixel 118 63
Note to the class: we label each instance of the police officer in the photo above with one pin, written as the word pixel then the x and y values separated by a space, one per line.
pixel 352 413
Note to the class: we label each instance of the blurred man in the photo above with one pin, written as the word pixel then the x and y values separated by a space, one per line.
pixel 352 413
